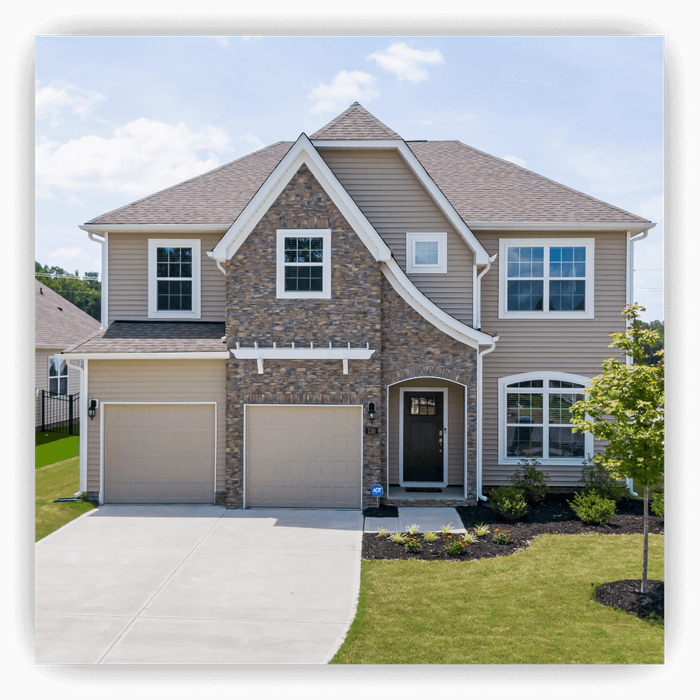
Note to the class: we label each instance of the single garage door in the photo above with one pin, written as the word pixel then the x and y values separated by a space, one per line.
pixel 159 453
pixel 303 456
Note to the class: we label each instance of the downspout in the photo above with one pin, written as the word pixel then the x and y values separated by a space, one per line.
pixel 479 416
pixel 477 291
pixel 103 289
pixel 630 300
pixel 82 485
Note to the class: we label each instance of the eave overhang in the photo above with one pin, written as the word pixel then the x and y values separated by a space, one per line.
pixel 562 227
pixel 101 229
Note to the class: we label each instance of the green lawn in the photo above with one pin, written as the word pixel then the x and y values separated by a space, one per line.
pixel 59 479
pixel 55 447
pixel 534 607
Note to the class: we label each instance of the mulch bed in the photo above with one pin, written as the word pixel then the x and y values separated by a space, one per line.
pixel 552 516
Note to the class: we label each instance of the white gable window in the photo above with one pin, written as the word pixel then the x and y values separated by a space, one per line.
pixel 534 419
pixel 426 253
pixel 303 264
pixel 174 278
pixel 546 278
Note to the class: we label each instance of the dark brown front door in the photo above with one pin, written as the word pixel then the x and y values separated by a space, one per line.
pixel 423 438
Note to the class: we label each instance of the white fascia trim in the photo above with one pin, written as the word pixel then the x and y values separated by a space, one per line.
pixel 102 229
pixel 301 153
pixel 321 353
pixel 146 355
pixel 40 346
pixel 562 227
pixel 103 279
pixel 431 312
pixel 82 440
pixel 480 254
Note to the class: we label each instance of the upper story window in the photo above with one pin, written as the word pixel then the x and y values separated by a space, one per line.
pixel 303 264
pixel 426 253
pixel 174 278
pixel 535 418
pixel 546 278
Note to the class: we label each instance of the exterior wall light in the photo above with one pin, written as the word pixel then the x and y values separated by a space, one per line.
pixel 92 408
pixel 370 411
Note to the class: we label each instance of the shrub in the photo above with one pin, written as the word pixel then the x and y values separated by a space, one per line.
pixel 455 547
pixel 502 536
pixel 430 536
pixel 396 537
pixel 412 544
pixel 412 529
pixel 597 479
pixel 592 508
pixel 446 529
pixel 657 505
pixel 509 502
pixel 468 537
pixel 530 480
pixel 383 532
pixel 481 530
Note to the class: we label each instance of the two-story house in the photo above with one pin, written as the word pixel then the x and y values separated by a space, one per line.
pixel 348 309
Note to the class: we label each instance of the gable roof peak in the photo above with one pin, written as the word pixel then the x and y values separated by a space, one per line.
pixel 355 123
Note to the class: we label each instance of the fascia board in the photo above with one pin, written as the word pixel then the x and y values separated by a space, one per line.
pixel 562 227
pixel 101 229
pixel 302 152
pixel 429 311
pixel 409 157
pixel 223 355
pixel 45 346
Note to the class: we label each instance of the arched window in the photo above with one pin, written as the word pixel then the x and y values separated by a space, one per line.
pixel 535 421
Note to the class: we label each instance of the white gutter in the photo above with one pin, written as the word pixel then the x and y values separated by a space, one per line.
pixel 562 227
pixel 476 311
pixel 103 286
pixel 82 485
pixel 223 355
pixel 479 417
pixel 101 229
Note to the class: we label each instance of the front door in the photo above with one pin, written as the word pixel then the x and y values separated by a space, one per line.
pixel 423 436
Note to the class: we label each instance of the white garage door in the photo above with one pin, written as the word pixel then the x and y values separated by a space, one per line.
pixel 304 456
pixel 159 453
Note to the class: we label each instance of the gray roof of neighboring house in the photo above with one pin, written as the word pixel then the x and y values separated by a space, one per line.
pixel 479 186
pixel 57 321
pixel 154 336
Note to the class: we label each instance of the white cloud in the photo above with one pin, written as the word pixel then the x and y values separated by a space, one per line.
pixel 66 257
pixel 253 141
pixel 74 201
pixel 52 100
pixel 405 62
pixel 514 159
pixel 346 88
pixel 141 157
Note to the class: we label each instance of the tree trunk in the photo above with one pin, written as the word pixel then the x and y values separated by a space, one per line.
pixel 646 539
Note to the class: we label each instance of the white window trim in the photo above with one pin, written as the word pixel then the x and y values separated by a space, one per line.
pixel 58 376
pixel 324 233
pixel 503 383
pixel 411 266
pixel 505 243
pixel 195 244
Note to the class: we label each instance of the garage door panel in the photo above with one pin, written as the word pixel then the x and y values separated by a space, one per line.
pixel 159 453
pixel 310 455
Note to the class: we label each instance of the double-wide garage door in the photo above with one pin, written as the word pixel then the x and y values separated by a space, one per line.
pixel 159 453
pixel 303 456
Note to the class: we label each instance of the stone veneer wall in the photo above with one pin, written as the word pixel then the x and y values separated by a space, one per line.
pixel 363 309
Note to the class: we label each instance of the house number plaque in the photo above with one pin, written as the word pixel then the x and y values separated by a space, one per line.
pixel 371 430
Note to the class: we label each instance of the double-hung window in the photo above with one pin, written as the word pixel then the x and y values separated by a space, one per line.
pixel 303 264
pixel 58 376
pixel 426 253
pixel 174 278
pixel 546 278
pixel 535 418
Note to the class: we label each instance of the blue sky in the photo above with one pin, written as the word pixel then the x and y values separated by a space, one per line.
pixel 121 117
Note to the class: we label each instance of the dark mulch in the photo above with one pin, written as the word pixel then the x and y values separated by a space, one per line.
pixel 552 516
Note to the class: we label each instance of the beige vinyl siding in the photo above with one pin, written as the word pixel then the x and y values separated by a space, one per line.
pixel 128 277
pixel 572 346
pixel 396 203
pixel 455 428
pixel 133 381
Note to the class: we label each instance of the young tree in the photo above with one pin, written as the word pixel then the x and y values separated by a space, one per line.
pixel 625 406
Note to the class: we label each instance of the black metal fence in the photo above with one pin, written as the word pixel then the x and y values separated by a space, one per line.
pixel 60 413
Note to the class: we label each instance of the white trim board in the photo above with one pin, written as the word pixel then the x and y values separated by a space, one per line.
pixel 222 355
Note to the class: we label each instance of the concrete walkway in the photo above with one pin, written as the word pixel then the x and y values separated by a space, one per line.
pixel 426 518
pixel 197 584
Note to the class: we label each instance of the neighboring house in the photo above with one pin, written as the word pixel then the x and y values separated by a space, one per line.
pixel 348 309
pixel 58 325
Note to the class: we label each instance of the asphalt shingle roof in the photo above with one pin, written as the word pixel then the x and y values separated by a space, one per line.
pixel 57 321
pixel 155 336
pixel 479 186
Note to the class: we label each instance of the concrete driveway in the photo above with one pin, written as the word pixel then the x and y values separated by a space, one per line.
pixel 197 584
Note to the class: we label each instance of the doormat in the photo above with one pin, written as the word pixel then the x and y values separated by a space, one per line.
pixel 422 490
